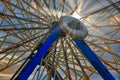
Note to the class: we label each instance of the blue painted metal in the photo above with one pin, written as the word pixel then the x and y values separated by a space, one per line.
pixel 94 60
pixel 29 68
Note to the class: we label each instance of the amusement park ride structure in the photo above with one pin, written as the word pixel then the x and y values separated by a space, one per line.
pixel 74 30
pixel 58 33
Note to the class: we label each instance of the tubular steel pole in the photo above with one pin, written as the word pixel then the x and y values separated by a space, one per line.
pixel 29 68
pixel 94 60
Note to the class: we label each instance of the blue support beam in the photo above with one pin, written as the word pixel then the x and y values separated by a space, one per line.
pixel 94 60
pixel 29 68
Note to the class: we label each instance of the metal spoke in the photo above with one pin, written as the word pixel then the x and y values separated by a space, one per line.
pixel 24 10
pixel 77 59
pixel 66 60
pixel 26 25
pixel 35 28
pixel 15 17
pixel 19 44
pixel 46 17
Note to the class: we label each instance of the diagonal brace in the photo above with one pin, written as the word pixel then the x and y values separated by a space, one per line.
pixel 29 68
pixel 94 60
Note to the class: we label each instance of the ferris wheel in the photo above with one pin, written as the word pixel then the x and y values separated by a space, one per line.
pixel 60 39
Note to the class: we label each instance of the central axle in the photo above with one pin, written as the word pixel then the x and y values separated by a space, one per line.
pixel 73 27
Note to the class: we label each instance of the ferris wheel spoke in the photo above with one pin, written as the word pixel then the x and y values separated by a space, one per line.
pixel 16 57
pixel 5 26
pixel 38 17
pixel 111 62
pixel 43 10
pixel 54 2
pixel 53 72
pixel 47 69
pixel 13 64
pixel 107 39
pixel 115 6
pixel 10 60
pixel 16 17
pixel 101 9
pixel 9 29
pixel 107 26
pixel 47 4
pixel 72 10
pixel 20 44
pixel 102 16
pixel 66 60
pixel 63 6
pixel 42 71
pixel 111 65
pixel 109 51
pixel 40 13
pixel 77 59
pixel 113 32
pixel 24 10
pixel 75 10
pixel 35 74
pixel 20 32
pixel 111 15
pixel 35 45
pixel 55 8
pixel 54 54
pixel 74 68
pixel 41 53
pixel 57 62
pixel 50 68
pixel 95 62
pixel 39 70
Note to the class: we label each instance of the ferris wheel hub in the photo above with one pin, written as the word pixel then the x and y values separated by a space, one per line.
pixel 73 27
